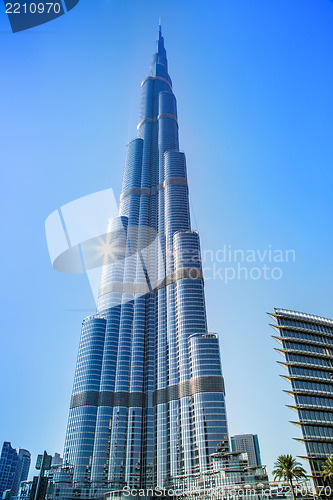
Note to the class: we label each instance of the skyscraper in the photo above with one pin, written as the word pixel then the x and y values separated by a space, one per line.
pixel 22 469
pixel 250 444
pixel 14 468
pixel 148 404
pixel 307 345
pixel 8 463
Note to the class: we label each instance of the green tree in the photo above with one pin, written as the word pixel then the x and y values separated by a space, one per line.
pixel 328 468
pixel 286 467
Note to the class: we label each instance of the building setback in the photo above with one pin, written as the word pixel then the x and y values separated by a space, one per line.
pixel 250 444
pixel 307 345
pixel 148 404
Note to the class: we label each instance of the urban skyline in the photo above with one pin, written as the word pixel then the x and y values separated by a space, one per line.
pixel 286 292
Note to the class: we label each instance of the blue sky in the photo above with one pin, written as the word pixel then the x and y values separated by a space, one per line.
pixel 253 80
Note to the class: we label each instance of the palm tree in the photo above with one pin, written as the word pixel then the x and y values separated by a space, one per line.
pixel 328 468
pixel 287 468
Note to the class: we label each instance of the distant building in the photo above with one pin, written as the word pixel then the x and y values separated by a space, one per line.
pixel 22 469
pixel 307 345
pixel 8 464
pixel 25 490
pixel 14 468
pixel 247 443
pixel 230 477
pixel 60 478
pixel 56 460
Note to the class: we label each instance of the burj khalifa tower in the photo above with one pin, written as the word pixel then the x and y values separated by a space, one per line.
pixel 148 401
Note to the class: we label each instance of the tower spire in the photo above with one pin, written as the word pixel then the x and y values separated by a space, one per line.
pixel 159 66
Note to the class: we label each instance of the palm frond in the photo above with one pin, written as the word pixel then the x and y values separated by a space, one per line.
pixel 328 468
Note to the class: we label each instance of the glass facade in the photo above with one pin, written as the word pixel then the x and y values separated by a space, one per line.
pixel 307 345
pixel 248 443
pixel 230 477
pixel 14 468
pixel 8 465
pixel 148 399
pixel 22 470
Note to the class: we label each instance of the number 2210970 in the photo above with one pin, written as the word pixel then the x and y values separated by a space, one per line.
pixel 33 8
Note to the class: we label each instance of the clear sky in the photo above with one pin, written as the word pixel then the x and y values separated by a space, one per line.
pixel 253 80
